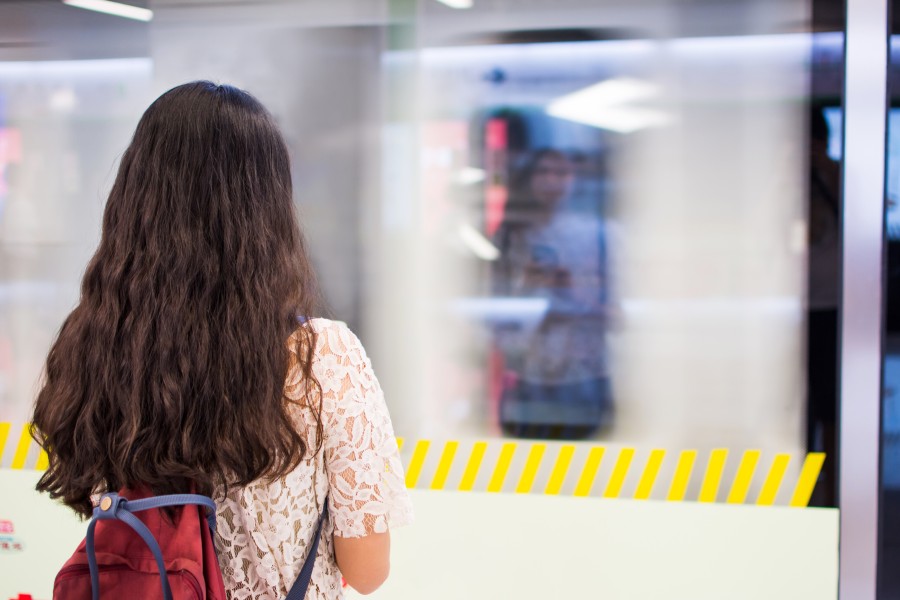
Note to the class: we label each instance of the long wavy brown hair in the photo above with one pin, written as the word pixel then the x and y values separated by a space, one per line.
pixel 169 373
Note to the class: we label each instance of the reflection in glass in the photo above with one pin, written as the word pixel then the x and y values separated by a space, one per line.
pixel 555 380
pixel 554 221
pixel 636 257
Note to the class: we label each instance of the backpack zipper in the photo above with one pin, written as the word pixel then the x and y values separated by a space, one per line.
pixel 74 570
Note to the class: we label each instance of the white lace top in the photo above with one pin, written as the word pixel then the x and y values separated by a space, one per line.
pixel 264 530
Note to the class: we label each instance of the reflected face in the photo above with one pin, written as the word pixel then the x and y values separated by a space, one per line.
pixel 552 179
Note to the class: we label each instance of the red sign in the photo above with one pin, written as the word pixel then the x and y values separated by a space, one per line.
pixel 10 145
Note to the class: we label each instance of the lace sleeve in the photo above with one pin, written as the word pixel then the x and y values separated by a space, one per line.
pixel 367 491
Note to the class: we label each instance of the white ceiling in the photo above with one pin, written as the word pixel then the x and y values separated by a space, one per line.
pixel 48 29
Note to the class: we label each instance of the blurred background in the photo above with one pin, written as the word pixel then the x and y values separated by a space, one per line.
pixel 546 219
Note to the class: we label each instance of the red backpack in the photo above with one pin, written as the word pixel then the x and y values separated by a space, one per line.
pixel 128 555
pixel 172 561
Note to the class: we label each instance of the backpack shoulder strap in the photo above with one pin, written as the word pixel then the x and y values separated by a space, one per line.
pixel 298 590
pixel 114 507
pixel 178 500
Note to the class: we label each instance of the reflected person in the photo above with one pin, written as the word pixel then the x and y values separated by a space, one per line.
pixel 556 383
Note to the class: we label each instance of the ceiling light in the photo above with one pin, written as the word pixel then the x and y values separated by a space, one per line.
pixel 457 3
pixel 113 8
pixel 63 100
pixel 607 105
pixel 477 243
pixel 470 176
pixel 618 119
pixel 50 71
pixel 615 91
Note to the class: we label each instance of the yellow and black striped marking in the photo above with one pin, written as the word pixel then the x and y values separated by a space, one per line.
pixel 528 467
pixel 583 469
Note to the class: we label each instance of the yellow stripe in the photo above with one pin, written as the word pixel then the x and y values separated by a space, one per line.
pixel 558 476
pixel 740 487
pixel 471 472
pixel 532 464
pixel 589 472
pixel 773 482
pixel 744 477
pixel 415 464
pixel 809 475
pixel 682 476
pixel 648 479
pixel 710 489
pixel 620 471
pixel 506 456
pixel 440 476
pixel 43 461
pixel 22 449
pixel 4 433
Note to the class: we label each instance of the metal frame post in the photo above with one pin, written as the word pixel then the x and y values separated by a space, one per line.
pixel 865 102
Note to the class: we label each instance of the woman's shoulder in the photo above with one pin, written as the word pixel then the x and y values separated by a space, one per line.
pixel 324 325
pixel 339 361
pixel 335 342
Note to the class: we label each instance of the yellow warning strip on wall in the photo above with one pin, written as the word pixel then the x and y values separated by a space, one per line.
pixel 648 478
pixel 43 461
pixel 414 469
pixel 714 469
pixel 589 472
pixel 468 481
pixel 545 468
pixel 620 472
pixel 812 466
pixel 499 476
pixel 682 478
pixel 531 468
pixel 4 435
pixel 443 470
pixel 744 477
pixel 21 454
pixel 773 481
pixel 560 469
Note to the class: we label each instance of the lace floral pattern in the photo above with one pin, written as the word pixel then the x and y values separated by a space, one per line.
pixel 265 529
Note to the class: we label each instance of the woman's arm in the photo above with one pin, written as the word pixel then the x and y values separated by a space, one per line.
pixel 367 489
pixel 365 562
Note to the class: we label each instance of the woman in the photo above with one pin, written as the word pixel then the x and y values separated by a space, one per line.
pixel 557 377
pixel 185 363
